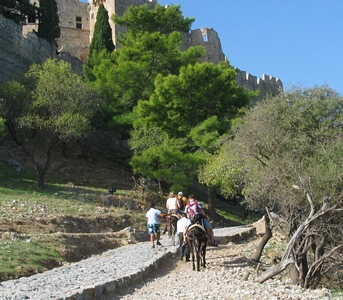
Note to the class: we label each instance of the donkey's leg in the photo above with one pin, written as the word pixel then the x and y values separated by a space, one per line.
pixel 193 249
pixel 204 254
pixel 173 229
pixel 198 253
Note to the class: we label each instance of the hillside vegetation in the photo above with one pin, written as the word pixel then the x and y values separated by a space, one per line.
pixel 74 217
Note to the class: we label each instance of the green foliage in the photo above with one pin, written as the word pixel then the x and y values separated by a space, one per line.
pixel 102 36
pixel 145 138
pixel 17 10
pixel 166 162
pixel 206 134
pixel 162 19
pixel 16 99
pixel 173 102
pixel 2 127
pixel 62 102
pixel 33 255
pixel 128 75
pixel 296 135
pixel 194 108
pixel 53 104
pixel 48 26
pixel 224 171
pixel 200 91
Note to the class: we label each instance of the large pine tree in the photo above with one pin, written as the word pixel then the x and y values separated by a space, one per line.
pixel 102 37
pixel 48 26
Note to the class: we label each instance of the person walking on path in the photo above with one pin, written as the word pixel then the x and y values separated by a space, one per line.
pixel 153 224
pixel 181 228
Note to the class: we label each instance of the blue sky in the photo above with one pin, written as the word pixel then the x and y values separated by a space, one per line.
pixel 298 41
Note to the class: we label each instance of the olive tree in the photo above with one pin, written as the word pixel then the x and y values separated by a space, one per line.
pixel 53 104
pixel 286 157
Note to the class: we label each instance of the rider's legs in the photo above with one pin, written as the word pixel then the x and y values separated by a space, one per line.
pixel 209 230
pixel 182 249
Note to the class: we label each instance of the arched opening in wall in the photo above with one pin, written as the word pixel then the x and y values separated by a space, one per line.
pixel 204 38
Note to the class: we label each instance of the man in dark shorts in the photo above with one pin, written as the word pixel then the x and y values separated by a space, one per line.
pixel 153 224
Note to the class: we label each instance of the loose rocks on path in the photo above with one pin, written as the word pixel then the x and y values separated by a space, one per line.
pixel 223 278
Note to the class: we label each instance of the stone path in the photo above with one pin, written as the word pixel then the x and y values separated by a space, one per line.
pixel 95 277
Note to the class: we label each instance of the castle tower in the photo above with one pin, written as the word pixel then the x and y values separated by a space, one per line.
pixel 209 39
pixel 75 28
pixel 77 20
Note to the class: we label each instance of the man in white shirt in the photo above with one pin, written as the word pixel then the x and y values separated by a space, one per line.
pixel 181 227
pixel 153 224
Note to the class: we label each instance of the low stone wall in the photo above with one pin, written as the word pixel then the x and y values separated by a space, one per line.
pixel 233 234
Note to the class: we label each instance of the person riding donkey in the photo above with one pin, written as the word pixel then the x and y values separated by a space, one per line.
pixel 172 206
pixel 182 201
pixel 194 210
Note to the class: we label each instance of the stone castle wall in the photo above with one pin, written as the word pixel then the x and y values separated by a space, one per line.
pixel 77 20
pixel 74 24
pixel 209 39
pixel 18 53
pixel 267 85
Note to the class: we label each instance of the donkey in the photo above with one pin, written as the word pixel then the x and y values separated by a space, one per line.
pixel 171 220
pixel 197 239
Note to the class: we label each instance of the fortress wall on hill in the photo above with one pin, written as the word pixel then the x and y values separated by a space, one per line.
pixel 209 39
pixel 18 53
pixel 268 85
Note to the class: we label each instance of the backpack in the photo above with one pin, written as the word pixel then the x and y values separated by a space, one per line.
pixel 193 209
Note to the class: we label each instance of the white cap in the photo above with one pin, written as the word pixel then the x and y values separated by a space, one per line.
pixel 180 194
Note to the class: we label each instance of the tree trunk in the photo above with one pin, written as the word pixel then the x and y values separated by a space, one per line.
pixel 277 269
pixel 267 236
pixel 287 257
pixel 41 171
pixel 311 278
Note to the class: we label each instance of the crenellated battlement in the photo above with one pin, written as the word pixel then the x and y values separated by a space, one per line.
pixel 268 85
